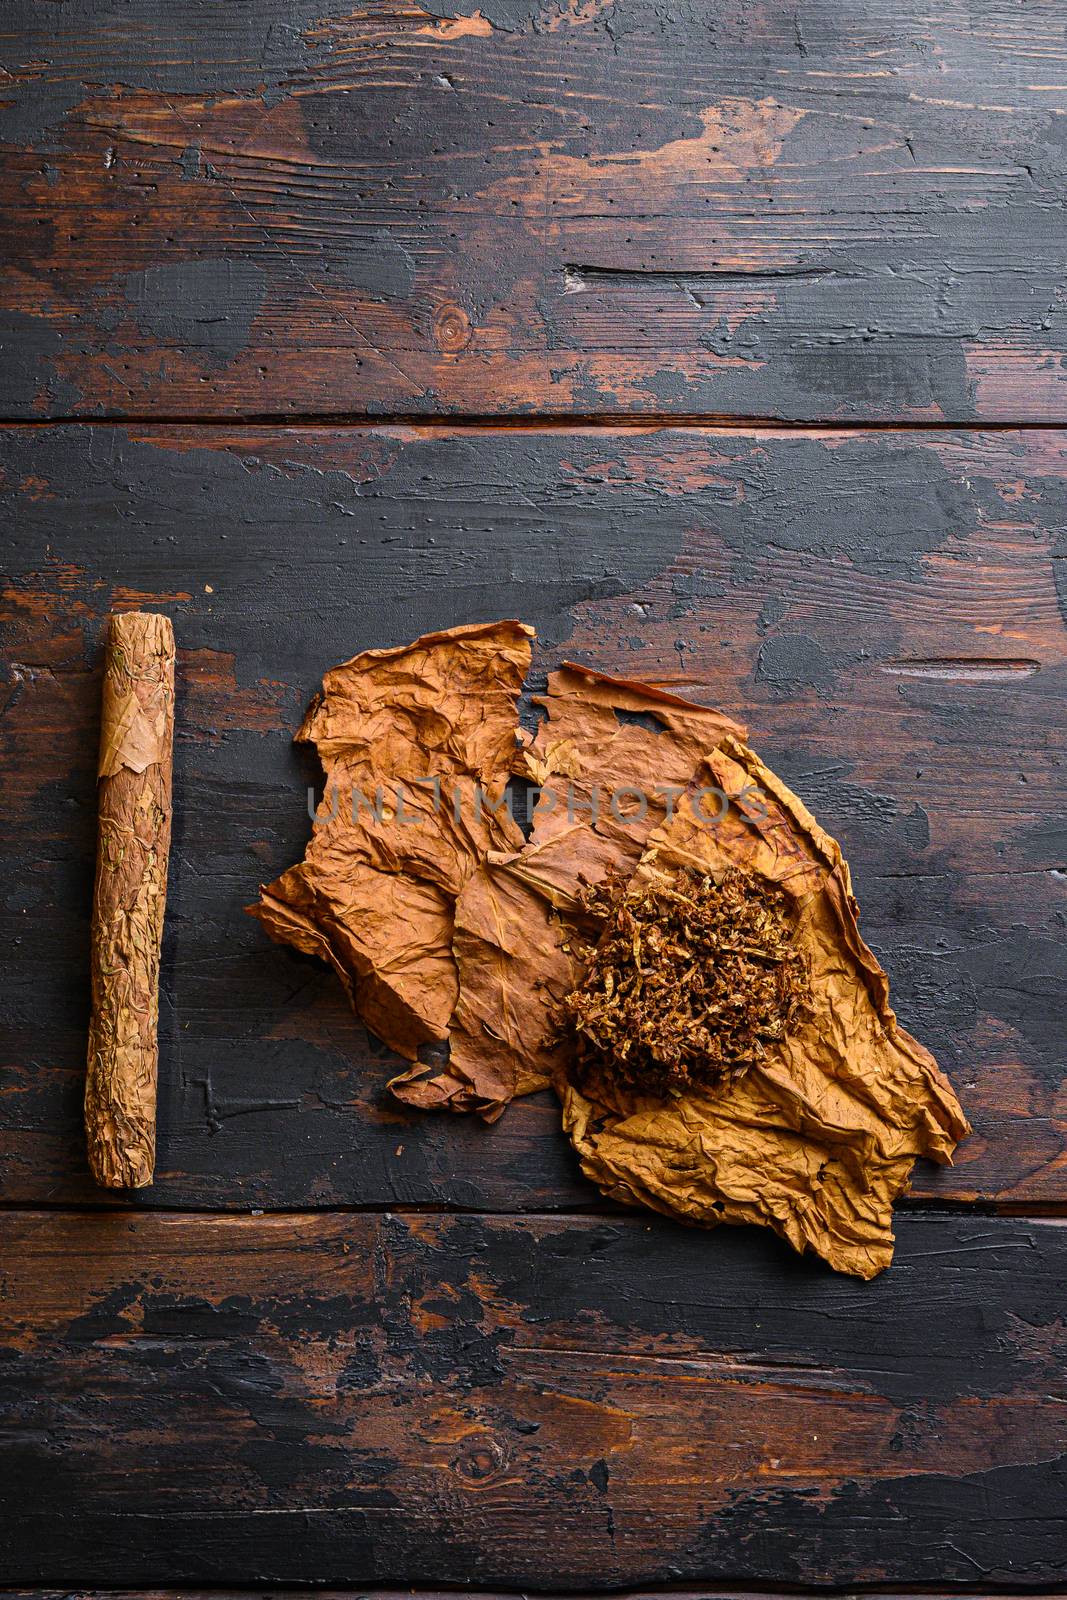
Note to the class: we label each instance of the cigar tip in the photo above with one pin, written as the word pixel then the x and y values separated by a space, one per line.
pixel 144 623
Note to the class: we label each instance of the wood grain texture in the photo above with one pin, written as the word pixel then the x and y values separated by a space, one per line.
pixel 526 1403
pixel 567 206
pixel 885 612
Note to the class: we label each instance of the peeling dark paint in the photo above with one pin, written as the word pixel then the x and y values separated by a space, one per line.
pixel 880 505
pixel 29 348
pixel 380 267
pixel 204 305
pixel 793 661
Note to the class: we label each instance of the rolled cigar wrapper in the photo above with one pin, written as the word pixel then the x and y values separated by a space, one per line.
pixel 133 840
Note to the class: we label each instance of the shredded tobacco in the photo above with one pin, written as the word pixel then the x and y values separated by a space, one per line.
pixel 692 978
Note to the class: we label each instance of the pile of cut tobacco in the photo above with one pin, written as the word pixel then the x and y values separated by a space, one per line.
pixel 693 976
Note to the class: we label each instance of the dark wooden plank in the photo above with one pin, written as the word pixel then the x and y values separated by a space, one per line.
pixel 542 1403
pixel 881 611
pixel 574 206
pixel 365 1593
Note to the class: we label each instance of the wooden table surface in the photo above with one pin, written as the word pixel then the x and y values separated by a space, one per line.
pixel 727 344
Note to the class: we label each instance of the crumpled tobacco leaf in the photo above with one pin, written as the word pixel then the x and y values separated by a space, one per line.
pixel 817 1141
pixel 375 892
pixel 512 950
pixel 455 933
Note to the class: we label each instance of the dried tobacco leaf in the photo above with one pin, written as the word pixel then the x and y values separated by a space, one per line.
pixel 612 758
pixel 375 892
pixel 602 739
pixel 818 1139
pixel 513 969
pixel 462 934
pixel 694 978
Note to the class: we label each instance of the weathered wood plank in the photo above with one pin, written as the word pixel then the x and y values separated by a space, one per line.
pixel 365 1593
pixel 882 611
pixel 816 212
pixel 545 1403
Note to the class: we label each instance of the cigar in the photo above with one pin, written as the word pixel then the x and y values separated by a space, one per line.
pixel 129 899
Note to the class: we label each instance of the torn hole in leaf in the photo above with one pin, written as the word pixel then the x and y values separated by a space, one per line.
pixel 639 719
pixel 434 1054
pixel 521 796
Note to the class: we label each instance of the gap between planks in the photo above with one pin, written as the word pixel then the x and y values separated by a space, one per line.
pixel 1048 1212
pixel 540 422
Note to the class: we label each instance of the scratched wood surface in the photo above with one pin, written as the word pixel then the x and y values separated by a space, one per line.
pixel 528 1402
pixel 877 608
pixel 323 326
pixel 815 210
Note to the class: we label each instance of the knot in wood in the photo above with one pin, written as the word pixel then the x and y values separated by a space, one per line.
pixel 479 1459
pixel 452 328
